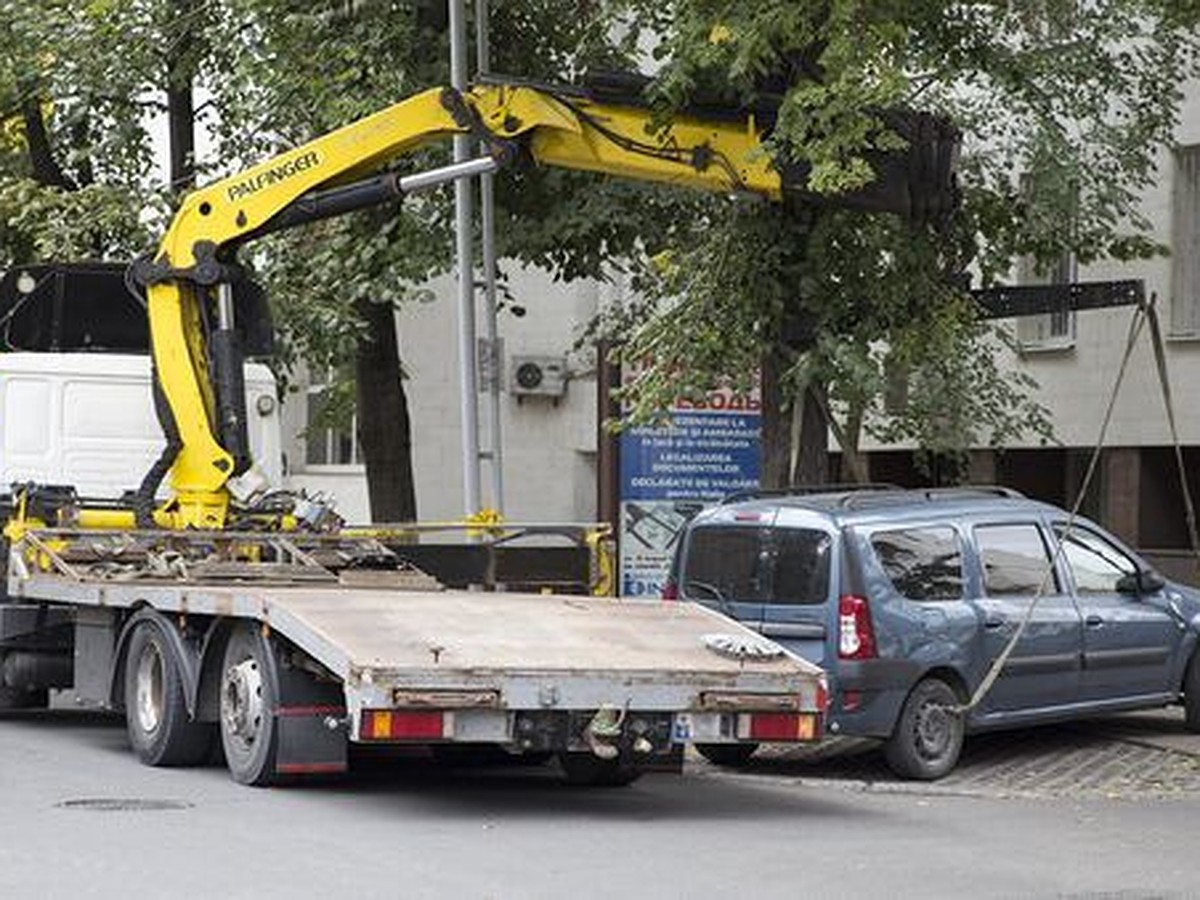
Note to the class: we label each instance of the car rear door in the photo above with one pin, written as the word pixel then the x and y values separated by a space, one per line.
pixel 798 609
pixel 1130 641
pixel 725 565
pixel 1017 572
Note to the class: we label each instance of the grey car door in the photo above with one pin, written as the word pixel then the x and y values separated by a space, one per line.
pixel 1019 581
pixel 1129 641
pixel 797 611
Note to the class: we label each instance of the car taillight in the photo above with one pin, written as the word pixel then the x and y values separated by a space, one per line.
pixel 856 636
pixel 670 590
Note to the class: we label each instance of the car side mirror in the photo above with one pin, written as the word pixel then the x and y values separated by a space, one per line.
pixel 1143 581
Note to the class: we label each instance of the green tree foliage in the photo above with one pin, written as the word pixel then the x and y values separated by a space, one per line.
pixel 269 74
pixel 74 149
pixel 292 71
pixel 1064 108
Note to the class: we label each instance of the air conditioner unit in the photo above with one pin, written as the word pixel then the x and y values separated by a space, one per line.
pixel 537 376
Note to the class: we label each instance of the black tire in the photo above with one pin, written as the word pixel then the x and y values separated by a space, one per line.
pixel 929 732
pixel 249 696
pixel 156 717
pixel 588 770
pixel 1191 694
pixel 733 755
pixel 23 698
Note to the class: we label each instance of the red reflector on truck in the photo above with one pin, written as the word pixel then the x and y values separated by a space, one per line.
pixel 783 727
pixel 401 725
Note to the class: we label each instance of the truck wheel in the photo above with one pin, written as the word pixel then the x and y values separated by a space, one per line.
pixel 156 716
pixel 586 769
pixel 929 732
pixel 248 701
pixel 732 755
pixel 1191 694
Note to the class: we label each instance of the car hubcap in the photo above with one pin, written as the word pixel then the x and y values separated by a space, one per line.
pixel 149 699
pixel 934 726
pixel 242 703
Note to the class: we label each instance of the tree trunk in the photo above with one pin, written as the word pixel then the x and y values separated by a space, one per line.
pixel 45 168
pixel 812 458
pixel 181 113
pixel 384 429
pixel 776 421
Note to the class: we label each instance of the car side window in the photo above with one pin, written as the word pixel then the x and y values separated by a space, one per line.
pixel 1096 564
pixel 922 563
pixel 1015 560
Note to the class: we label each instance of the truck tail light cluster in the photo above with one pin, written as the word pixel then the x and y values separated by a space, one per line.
pixel 779 727
pixel 405 725
pixel 856 635
pixel 670 589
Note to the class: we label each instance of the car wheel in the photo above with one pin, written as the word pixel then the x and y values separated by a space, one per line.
pixel 1191 694
pixel 929 733
pixel 732 755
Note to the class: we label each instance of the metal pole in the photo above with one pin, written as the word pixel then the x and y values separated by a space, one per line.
pixel 487 212
pixel 468 377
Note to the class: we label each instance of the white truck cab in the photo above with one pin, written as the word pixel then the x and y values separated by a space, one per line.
pixel 76 405
pixel 87 419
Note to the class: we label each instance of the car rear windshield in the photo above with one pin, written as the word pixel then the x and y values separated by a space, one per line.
pixel 759 565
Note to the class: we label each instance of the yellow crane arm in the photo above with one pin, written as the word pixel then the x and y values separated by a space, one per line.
pixel 189 280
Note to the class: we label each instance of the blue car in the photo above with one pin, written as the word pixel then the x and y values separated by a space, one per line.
pixel 907 598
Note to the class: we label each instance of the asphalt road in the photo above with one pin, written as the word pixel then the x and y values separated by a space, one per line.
pixel 79 817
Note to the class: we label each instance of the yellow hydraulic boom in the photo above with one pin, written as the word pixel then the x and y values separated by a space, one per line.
pixel 190 282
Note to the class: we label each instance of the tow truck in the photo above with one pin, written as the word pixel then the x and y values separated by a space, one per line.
pixel 232 615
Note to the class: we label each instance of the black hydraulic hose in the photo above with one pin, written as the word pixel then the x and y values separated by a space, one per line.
pixel 143 499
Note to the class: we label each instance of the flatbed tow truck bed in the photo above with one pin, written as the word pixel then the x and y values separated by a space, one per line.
pixel 359 662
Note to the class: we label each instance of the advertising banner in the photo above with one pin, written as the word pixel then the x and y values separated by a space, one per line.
pixel 707 451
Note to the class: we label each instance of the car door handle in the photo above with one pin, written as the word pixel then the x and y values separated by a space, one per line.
pixel 993 624
pixel 1093 621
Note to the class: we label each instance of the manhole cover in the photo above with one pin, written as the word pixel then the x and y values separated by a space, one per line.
pixel 123 804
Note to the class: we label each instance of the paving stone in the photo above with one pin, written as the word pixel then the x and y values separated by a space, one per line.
pixel 1122 757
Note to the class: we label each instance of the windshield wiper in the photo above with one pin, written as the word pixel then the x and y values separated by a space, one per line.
pixel 713 591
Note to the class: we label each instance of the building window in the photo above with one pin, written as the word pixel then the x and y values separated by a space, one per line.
pixel 331 428
pixel 1053 330
pixel 1185 235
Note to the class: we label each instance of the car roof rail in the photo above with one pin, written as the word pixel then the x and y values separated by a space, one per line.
pixel 971 490
pixel 956 492
pixel 800 490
